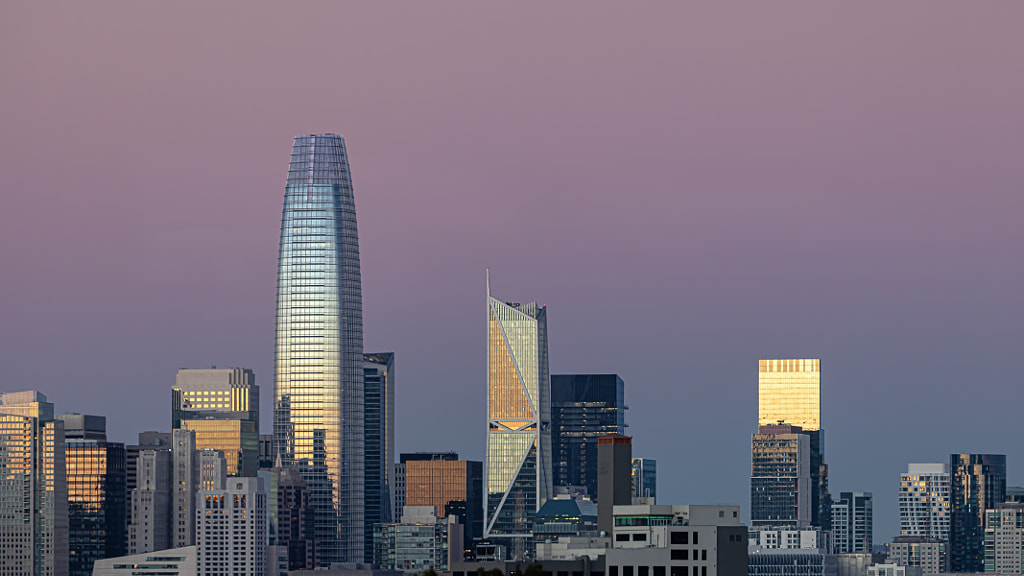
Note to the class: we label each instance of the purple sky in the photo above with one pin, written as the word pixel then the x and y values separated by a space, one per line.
pixel 688 188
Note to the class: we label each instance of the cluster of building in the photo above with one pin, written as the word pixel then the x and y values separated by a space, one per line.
pixel 325 491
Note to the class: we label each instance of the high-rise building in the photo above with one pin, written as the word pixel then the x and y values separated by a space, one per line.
pixel 290 516
pixel 379 453
pixel 150 440
pixel 1004 539
pixel 518 466
pixel 978 483
pixel 266 450
pixel 231 529
pixel 584 407
pixel 780 477
pixel 96 493
pixel 318 357
pixel 924 501
pixel 398 487
pixel 614 477
pixel 789 392
pixel 187 472
pixel 149 528
pixel 34 490
pixel 853 523
pixel 645 478
pixel 222 407
pixel 451 487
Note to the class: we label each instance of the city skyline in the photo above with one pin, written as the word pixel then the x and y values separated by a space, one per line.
pixel 687 189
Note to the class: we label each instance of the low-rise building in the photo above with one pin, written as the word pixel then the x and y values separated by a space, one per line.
pixel 177 561
pixel 927 553
pixel 421 541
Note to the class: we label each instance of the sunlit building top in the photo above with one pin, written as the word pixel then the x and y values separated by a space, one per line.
pixel 789 391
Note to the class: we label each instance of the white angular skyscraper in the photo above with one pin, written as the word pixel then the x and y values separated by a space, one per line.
pixel 318 361
pixel 924 501
pixel 518 469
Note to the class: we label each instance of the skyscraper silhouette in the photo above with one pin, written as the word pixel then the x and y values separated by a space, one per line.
pixel 318 360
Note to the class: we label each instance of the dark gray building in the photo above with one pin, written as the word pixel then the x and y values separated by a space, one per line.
pixel 379 426
pixel 978 483
pixel 614 477
pixel 584 407
pixel 780 477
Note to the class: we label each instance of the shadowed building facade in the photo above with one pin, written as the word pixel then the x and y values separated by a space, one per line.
pixel 789 392
pixel 379 425
pixel 584 407
pixel 318 354
pixel 977 484
pixel 518 467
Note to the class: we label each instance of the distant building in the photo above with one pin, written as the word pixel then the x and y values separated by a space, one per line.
pixel 645 478
pixel 150 440
pixel 791 562
pixel 291 517
pixel 893 570
pixel 1004 539
pixel 421 541
pixel 856 564
pixel 97 526
pixel 924 498
pixel 927 553
pixel 584 407
pixel 398 488
pixel 231 529
pixel 176 561
pixel 222 407
pixel 853 523
pixel 563 517
pixel 450 486
pixel 34 491
pixel 265 449
pixel 978 483
pixel 379 440
pixel 614 477
pixel 780 477
pixel 149 527
pixel 786 538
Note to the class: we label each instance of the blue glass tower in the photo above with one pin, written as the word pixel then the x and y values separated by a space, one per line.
pixel 318 352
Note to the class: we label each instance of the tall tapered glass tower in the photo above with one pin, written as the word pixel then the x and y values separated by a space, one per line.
pixel 318 361
pixel 518 476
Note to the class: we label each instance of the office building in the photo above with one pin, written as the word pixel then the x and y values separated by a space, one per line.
pixel 379 434
pixel 929 554
pixel 584 407
pixel 398 488
pixel 149 440
pixel 149 528
pixel 614 477
pixel 645 478
pixel 450 486
pixel 518 465
pixel 789 392
pixel 856 564
pixel 213 469
pixel 780 477
pixel 924 501
pixel 187 472
pixel 978 483
pixel 97 526
pixel 222 407
pixel 421 541
pixel 231 529
pixel 1004 539
pixel 170 562
pixel 291 517
pixel 853 523
pixel 318 357
pixel 564 516
pixel 34 491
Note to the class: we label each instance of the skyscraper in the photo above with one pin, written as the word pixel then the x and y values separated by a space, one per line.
pixel 780 477
pixel 518 467
pixel 379 425
pixel 789 392
pixel 924 501
pixel 614 477
pixel 978 483
pixel 853 523
pixel 450 486
pixel 584 407
pixel 318 357
pixel 645 478
pixel 221 405
pixel 34 491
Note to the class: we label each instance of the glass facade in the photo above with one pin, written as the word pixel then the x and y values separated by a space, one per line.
pixel 978 483
pixel 584 407
pixel 379 426
pixel 780 479
pixel 411 548
pixel 645 478
pixel 96 502
pixel 236 439
pixel 518 469
pixel 318 358
pixel 789 391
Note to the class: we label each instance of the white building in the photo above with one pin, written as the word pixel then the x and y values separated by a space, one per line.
pixel 1004 539
pixel 853 522
pixel 893 570
pixel 925 501
pixel 178 561
pixel 231 529
pixel 785 538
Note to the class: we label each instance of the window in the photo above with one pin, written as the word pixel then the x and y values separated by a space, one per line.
pixel 659 571
pixel 703 554
pixel 683 554
pixel 639 537
pixel 622 537
pixel 613 571
pixel 680 537
pixel 694 538
pixel 627 571
pixel 642 571
pixel 679 571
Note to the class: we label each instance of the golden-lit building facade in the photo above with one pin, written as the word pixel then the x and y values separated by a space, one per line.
pixel 518 475
pixel 451 487
pixel 238 440
pixel 789 391
pixel 34 531
pixel 96 502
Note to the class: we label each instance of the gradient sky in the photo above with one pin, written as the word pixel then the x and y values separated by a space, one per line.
pixel 688 187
